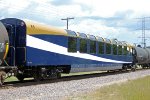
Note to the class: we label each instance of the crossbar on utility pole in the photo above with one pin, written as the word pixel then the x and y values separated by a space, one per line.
pixel 67 19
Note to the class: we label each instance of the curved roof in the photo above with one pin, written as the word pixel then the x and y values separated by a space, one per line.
pixel 124 43
pixel 130 45
pixel 92 37
pixel 34 28
pixel 107 40
pixel 100 39
pixel 83 35
pixel 119 43
pixel 114 41
pixel 72 33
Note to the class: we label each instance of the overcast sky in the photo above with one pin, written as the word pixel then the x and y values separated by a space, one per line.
pixel 105 18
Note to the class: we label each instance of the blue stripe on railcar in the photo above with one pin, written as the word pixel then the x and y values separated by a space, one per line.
pixel 39 57
pixel 57 39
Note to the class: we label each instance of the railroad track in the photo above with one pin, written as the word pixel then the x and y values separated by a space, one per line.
pixel 66 86
pixel 15 84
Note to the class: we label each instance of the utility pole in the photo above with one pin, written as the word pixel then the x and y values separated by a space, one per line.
pixel 143 30
pixel 67 19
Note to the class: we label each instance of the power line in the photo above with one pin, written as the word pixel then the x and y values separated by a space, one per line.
pixel 43 8
pixel 67 19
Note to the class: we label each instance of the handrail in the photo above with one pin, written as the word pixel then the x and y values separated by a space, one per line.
pixel 14 54
pixel 6 62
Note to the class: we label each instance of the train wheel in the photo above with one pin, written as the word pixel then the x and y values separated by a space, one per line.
pixel 133 68
pixel 143 67
pixel 58 75
pixel 125 68
pixel 55 73
pixel 2 77
pixel 108 71
pixel 120 70
pixel 37 76
pixel 20 77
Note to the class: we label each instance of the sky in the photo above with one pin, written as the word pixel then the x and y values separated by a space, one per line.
pixel 110 19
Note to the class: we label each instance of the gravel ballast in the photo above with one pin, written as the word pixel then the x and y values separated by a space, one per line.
pixel 60 90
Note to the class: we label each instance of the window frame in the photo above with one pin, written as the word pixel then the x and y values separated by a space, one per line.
pixel 85 50
pixel 114 48
pixel 102 49
pixel 75 47
pixel 93 48
pixel 120 50
pixel 125 51
pixel 108 45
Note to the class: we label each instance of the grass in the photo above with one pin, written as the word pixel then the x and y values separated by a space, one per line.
pixel 11 79
pixel 132 90
pixel 15 79
pixel 82 73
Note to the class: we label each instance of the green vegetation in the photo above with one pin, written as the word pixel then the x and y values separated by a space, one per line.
pixel 11 79
pixel 82 73
pixel 132 90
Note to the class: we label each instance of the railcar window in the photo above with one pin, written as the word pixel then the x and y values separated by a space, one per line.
pixel 131 51
pixel 108 48
pixel 125 50
pixel 101 47
pixel 72 44
pixel 114 49
pixel 128 50
pixel 93 47
pixel 83 45
pixel 119 50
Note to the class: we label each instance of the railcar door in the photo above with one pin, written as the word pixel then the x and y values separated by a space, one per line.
pixel 20 44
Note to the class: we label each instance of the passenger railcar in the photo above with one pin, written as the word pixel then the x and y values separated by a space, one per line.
pixel 42 51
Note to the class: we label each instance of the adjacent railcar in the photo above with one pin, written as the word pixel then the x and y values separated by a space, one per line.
pixel 42 51
pixel 142 56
